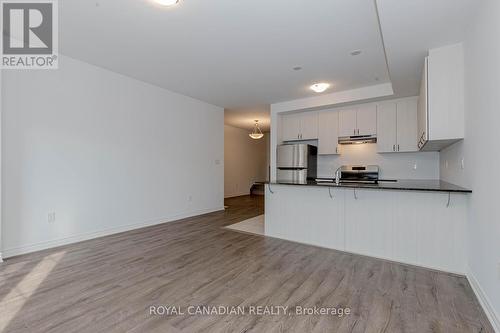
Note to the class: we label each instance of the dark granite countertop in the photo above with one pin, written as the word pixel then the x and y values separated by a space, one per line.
pixel 430 185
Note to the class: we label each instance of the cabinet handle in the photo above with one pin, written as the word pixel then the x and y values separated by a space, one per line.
pixel 398 147
pixel 354 131
pixel 393 147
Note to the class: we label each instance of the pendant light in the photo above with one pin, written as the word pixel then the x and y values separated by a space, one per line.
pixel 257 133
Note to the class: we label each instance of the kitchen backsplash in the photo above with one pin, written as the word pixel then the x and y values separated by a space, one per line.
pixel 399 165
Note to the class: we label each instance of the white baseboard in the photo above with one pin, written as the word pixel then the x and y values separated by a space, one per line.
pixel 493 317
pixel 237 194
pixel 105 232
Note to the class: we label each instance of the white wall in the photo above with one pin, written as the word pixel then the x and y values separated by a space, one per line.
pixel 104 152
pixel 480 151
pixel 397 165
pixel 1 186
pixel 245 161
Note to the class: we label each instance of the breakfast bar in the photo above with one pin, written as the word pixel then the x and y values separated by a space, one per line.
pixel 417 222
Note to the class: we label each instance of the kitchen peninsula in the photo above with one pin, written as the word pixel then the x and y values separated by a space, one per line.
pixel 414 222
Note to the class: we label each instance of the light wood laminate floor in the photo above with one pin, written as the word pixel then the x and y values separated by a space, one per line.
pixel 108 284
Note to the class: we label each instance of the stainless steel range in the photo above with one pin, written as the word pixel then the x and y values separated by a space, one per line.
pixel 366 174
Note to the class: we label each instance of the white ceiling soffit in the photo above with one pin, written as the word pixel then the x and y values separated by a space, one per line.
pixel 336 98
pixel 411 27
pixel 230 53
pixel 245 117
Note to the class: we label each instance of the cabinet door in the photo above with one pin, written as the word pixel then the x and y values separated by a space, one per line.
pixel 309 126
pixel 422 133
pixel 290 127
pixel 347 122
pixel 386 127
pixel 445 81
pixel 328 133
pixel 407 125
pixel 367 120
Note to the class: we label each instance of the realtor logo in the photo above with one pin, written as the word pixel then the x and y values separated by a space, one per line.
pixel 29 37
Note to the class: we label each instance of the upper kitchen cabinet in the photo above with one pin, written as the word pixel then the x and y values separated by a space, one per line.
pixel 361 120
pixel 328 133
pixel 300 126
pixel 309 126
pixel 406 125
pixel 386 127
pixel 441 100
pixel 347 122
pixel 290 127
pixel 366 118
pixel 397 126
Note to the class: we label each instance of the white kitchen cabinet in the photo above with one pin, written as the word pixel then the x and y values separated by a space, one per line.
pixel 361 120
pixel 422 119
pixel 328 133
pixel 309 126
pixel 347 122
pixel 386 127
pixel 290 127
pixel 397 126
pixel 366 120
pixel 299 126
pixel 406 134
pixel 441 103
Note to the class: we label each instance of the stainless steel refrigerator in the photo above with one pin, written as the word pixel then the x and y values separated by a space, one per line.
pixel 296 163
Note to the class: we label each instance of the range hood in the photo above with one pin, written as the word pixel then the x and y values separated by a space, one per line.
pixel 348 140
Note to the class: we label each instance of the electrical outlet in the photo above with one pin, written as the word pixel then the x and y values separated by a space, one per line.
pixel 51 217
pixel 462 164
pixel 415 166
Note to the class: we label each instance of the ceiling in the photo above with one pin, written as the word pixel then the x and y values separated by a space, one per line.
pixel 245 117
pixel 230 53
pixel 410 28
pixel 238 54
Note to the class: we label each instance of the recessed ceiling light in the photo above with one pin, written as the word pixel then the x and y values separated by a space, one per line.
pixel 320 87
pixel 298 68
pixel 167 2
pixel 355 52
